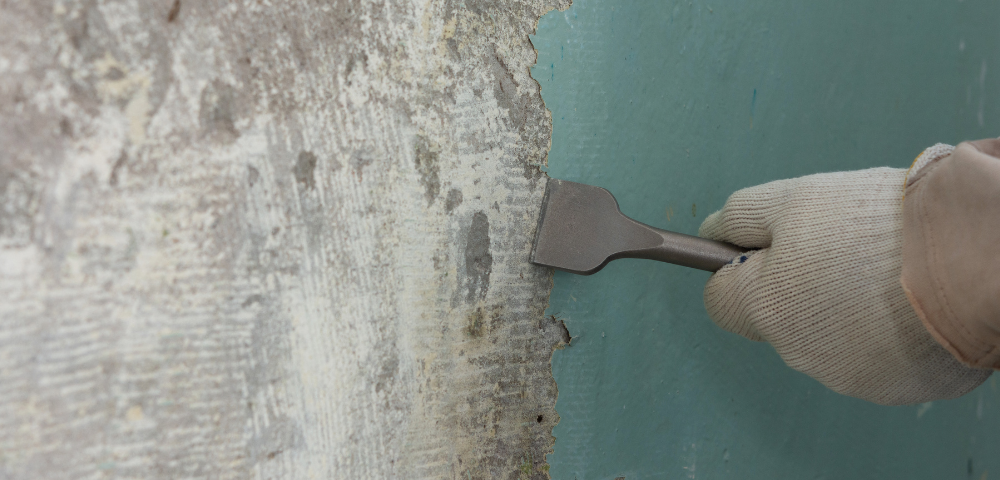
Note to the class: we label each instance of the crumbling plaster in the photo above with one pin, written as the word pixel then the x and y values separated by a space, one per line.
pixel 260 239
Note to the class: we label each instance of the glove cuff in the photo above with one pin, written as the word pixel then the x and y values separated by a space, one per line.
pixel 950 263
pixel 927 157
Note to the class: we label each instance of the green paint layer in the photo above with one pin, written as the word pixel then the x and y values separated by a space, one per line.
pixel 675 105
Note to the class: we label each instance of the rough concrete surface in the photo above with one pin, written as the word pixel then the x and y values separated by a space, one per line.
pixel 261 239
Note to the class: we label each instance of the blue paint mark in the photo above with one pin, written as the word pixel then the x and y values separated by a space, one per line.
pixel 553 76
pixel 561 52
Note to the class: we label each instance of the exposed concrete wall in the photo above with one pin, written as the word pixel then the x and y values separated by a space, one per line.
pixel 272 240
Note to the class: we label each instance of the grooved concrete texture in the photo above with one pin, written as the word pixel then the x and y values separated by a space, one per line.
pixel 259 239
pixel 673 105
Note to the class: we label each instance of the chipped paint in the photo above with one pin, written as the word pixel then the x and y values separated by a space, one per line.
pixel 255 240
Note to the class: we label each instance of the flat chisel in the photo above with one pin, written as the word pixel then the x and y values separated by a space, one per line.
pixel 581 229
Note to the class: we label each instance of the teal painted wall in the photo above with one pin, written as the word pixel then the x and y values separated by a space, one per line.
pixel 673 106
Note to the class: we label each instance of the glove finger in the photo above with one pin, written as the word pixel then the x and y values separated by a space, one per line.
pixel 732 292
pixel 746 217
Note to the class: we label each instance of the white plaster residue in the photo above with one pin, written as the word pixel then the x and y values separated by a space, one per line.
pixel 692 466
pixel 53 93
pixel 134 414
pixel 137 111
pixel 118 83
pixel 20 264
pixel 924 408
pixel 92 155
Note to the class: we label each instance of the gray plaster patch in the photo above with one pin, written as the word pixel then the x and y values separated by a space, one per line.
pixel 222 254
pixel 217 112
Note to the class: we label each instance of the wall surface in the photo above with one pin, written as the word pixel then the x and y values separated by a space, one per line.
pixel 261 239
pixel 673 106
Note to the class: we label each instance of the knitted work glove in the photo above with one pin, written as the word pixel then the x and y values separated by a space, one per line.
pixel 824 287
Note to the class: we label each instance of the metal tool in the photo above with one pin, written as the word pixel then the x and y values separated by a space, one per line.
pixel 581 229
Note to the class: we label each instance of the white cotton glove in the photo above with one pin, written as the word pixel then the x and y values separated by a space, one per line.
pixel 824 288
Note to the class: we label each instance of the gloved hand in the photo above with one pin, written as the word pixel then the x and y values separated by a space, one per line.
pixel 824 288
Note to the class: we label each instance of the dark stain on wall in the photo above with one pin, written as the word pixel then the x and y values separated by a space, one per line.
pixel 478 260
pixel 174 11
pixel 427 164
pixel 453 200
pixel 304 168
